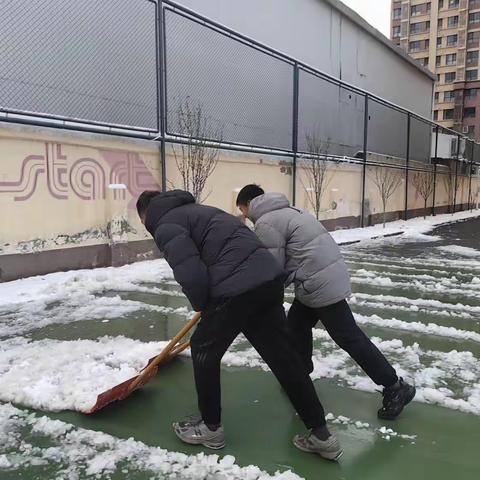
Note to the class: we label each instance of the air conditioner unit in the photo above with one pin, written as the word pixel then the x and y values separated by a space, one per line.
pixel 464 129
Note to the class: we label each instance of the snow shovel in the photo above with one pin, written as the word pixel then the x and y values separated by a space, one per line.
pixel 123 390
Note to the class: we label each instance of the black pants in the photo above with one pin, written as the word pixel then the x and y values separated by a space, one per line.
pixel 341 326
pixel 260 316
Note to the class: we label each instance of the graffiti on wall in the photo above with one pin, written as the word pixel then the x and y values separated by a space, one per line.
pixel 85 178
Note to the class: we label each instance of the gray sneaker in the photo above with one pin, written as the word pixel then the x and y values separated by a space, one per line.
pixel 195 432
pixel 329 449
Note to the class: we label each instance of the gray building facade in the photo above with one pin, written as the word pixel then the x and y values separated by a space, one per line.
pixel 330 37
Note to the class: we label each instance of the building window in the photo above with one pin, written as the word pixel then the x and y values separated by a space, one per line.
pixel 450 77
pixel 473 38
pixel 472 57
pixel 423 61
pixel 440 23
pixel 471 131
pixel 470 93
pixel 397 13
pixel 449 96
pixel 451 59
pixel 469 112
pixel 474 18
pixel 419 45
pixel 471 75
pixel 437 96
pixel 448 114
pixel 453 3
pixel 439 41
pixel 452 40
pixel 440 4
pixel 415 27
pixel 435 115
pixel 453 21
pixel 396 32
pixel 416 10
pixel 474 4
pixel 438 61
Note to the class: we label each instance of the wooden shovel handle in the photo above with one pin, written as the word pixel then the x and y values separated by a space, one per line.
pixel 165 353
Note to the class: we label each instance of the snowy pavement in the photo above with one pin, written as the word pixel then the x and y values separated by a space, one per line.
pixel 414 228
pixel 422 310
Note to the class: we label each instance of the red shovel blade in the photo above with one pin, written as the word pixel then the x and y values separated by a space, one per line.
pixel 123 390
pixel 119 392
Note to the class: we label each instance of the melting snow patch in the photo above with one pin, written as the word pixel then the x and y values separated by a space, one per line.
pixel 458 250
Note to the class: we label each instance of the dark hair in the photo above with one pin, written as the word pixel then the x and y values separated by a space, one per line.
pixel 248 193
pixel 144 200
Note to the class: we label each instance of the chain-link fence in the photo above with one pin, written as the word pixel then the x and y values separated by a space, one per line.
pixel 153 68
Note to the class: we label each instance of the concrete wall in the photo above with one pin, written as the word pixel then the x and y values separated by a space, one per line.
pixel 317 33
pixel 57 211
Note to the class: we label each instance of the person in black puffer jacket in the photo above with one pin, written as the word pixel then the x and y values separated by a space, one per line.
pixel 228 275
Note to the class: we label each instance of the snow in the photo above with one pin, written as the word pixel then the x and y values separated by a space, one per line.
pixel 57 286
pixel 60 375
pixel 429 370
pixel 459 250
pixel 418 327
pixel 413 229
pixel 75 452
pixel 66 297
pixel 51 375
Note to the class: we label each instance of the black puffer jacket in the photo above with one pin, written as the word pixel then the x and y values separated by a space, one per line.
pixel 212 254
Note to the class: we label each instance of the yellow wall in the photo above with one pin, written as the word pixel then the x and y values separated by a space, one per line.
pixel 54 187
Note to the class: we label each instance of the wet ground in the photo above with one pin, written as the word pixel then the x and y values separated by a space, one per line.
pixel 393 279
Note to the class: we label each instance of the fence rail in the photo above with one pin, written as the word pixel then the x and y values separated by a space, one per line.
pixel 146 68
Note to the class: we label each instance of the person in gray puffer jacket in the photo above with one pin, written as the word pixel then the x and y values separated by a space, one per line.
pixel 315 266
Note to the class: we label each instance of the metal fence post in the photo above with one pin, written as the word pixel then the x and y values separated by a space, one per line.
pixel 456 175
pixel 435 171
pixel 295 131
pixel 407 162
pixel 469 206
pixel 364 166
pixel 161 89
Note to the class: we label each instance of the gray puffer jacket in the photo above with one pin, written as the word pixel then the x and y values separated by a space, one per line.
pixel 304 248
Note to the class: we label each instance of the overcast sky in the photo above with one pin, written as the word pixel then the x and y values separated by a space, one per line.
pixel 375 12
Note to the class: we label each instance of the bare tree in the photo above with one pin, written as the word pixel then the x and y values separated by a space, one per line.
pixel 387 180
pixel 423 183
pixel 451 186
pixel 197 161
pixel 316 171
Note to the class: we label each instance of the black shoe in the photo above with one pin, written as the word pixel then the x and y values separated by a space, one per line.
pixel 395 398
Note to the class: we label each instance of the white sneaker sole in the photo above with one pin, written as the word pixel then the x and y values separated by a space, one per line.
pixel 199 441
pixel 332 456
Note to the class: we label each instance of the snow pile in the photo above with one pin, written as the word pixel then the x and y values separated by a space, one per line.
pixel 459 250
pixel 57 286
pixel 36 302
pixel 418 327
pixel 413 229
pixel 68 375
pixel 76 452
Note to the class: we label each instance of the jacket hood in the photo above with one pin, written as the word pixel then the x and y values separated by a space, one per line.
pixel 265 203
pixel 162 204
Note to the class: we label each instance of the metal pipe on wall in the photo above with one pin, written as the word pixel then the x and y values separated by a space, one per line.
pixel 365 154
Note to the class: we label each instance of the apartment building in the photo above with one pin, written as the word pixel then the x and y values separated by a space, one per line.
pixel 444 36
